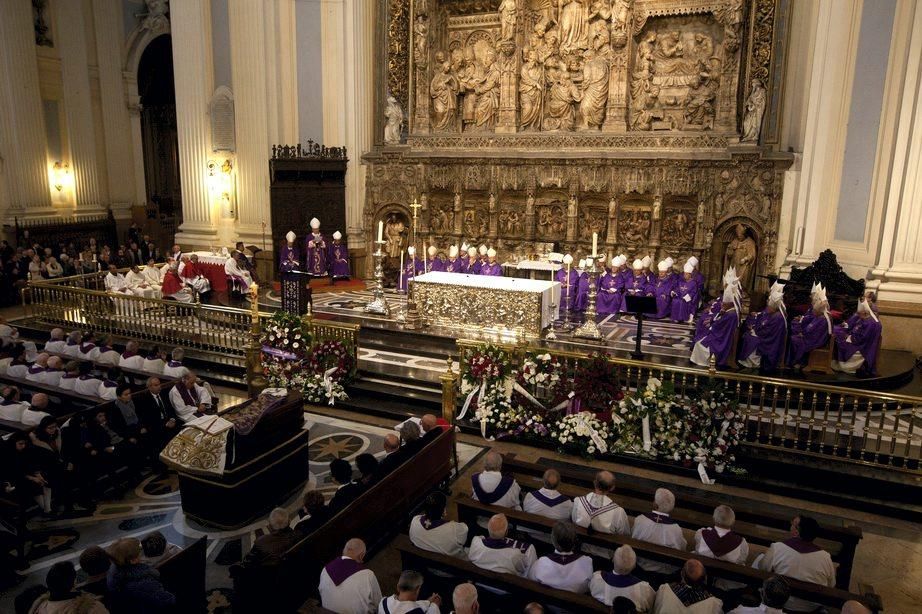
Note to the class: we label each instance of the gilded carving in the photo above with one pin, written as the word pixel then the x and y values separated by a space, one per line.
pixel 552 221
pixel 634 224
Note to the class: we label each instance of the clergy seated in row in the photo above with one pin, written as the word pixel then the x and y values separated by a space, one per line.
pixel 492 487
pixel 597 511
pixel 453 264
pixel 809 332
pixel 689 594
pixel 491 266
pixel 565 569
pixel 663 290
pixel 799 558
pixel 189 399
pixel 685 295
pixel 406 600
pixel 611 288
pixel 142 285
pixel 242 277
pixel 430 531
pixel 763 339
pixel 547 500
pixel 638 284
pixel 568 278
pixel 606 586
pixel 346 585
pixel 501 553
pixel 774 593
pixel 244 262
pixel 174 288
pixel 858 341
pixel 193 275
pixel 715 335
pixel 721 542
pixel 658 527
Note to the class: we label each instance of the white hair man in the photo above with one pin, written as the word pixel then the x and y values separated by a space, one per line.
pixel 620 582
pixel 53 372
pixel 775 593
pixel 430 531
pixel 11 406
pixel 657 527
pixel 188 398
pixel 268 549
pixel 565 569
pixel 464 598
pixel 547 501
pixel 56 343
pixel 105 353
pixel 72 345
pixel 406 600
pixel 596 509
pixel 33 414
pixel 799 558
pixel 721 542
pixel 492 487
pixel 131 358
pixel 35 372
pixel 346 585
pixel 500 553
pixel 174 367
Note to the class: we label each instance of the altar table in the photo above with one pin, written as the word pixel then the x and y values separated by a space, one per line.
pixel 485 303
pixel 532 269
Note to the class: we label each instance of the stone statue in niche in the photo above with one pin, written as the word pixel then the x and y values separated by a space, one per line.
pixel 469 79
pixel 507 12
pixel 594 91
pixel 156 16
pixel 741 253
pixel 701 100
pixel 621 11
pixel 571 206
pixel 755 109
pixel 531 92
pixel 552 223
pixel 487 91
pixel 560 110
pixel 444 93
pixel 612 207
pixel 634 226
pixel 678 226
pixel 421 41
pixel 574 26
pixel 394 227
pixel 393 129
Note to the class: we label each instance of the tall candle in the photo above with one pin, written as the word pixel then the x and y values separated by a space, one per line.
pixel 380 230
pixel 595 243
pixel 425 254
pixel 401 264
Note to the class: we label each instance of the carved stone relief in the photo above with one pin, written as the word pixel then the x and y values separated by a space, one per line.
pixel 679 223
pixel 634 225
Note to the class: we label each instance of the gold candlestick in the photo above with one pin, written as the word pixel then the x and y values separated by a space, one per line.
pixel 412 319
pixel 589 328
pixel 378 302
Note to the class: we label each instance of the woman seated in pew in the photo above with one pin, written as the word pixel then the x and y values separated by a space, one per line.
pixel 565 569
pixel 135 586
pixel 21 473
pixel 620 582
pixel 313 513
pixel 87 384
pixel 430 531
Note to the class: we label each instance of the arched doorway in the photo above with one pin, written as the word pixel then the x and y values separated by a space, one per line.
pixel 158 130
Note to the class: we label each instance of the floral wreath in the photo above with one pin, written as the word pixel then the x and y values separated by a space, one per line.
pixel 328 355
pixel 283 336
pixel 713 429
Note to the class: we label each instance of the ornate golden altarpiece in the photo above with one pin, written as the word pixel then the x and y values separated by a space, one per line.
pixel 520 123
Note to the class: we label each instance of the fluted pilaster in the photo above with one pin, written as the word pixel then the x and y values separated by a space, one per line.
pixel 193 75
pixel 22 125
pixel 70 40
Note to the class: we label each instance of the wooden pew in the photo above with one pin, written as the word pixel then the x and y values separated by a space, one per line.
pixel 183 574
pixel 522 590
pixel 375 516
pixel 820 360
pixel 758 525
pixel 469 511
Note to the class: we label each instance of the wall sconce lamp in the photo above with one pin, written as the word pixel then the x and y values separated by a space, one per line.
pixel 60 176
pixel 220 180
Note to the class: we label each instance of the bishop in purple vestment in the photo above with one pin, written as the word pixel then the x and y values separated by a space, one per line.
pixel 762 343
pixel 810 333
pixel 472 264
pixel 434 262
pixel 685 297
pixel 569 279
pixel 288 249
pixel 411 268
pixel 717 338
pixel 638 285
pixel 663 290
pixel 611 287
pixel 491 267
pixel 315 248
pixel 454 264
pixel 339 257
pixel 858 341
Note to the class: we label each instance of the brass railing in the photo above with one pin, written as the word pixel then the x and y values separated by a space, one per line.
pixel 75 303
pixel 830 421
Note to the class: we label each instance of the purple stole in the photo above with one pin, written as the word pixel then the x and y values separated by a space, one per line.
pixel 86 348
pixel 109 383
pixel 547 501
pixel 453 266
pixel 128 354
pixel 35 369
pixel 798 545
pixel 68 376
pixel 721 545
pixel 436 264
pixel 83 378
pixel 72 343
pixel 501 543
pixel 492 497
pixel 172 363
pixel 495 269
pixel 283 254
pixel 659 518
pixel 595 511
pixel 342 569
pixel 104 348
pixel 431 524
pixel 619 581
pixel 189 397
pixel 564 559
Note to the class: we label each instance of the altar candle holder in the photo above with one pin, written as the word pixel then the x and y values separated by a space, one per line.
pixel 589 328
pixel 411 318
pixel 378 303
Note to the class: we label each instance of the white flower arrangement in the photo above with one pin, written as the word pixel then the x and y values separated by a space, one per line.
pixel 583 432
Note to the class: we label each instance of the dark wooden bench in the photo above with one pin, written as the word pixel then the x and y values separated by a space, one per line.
pixel 183 574
pixel 374 517
pixel 521 591
pixel 694 511
pixel 469 511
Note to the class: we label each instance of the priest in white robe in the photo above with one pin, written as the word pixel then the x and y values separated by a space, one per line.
pixel 238 275
pixel 499 552
pixel 689 595
pixel 140 285
pixel 188 398
pixel 547 501
pixel 721 542
pixel 597 510
pixel 565 569
pixel 56 343
pixel 621 582
pixel 346 585
pixel 153 274
pixel 657 527
pixel 131 358
pixel 406 600
pixel 492 487
pixel 430 531
pixel 775 592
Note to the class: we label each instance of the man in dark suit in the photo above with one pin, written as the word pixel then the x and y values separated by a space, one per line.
pixel 429 425
pixel 268 549
pixel 156 412
pixel 313 513
pixel 394 456
pixel 348 491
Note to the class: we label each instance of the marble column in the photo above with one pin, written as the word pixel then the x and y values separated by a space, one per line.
pixel 23 141
pixel 193 76
pixel 108 25
pixel 90 193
